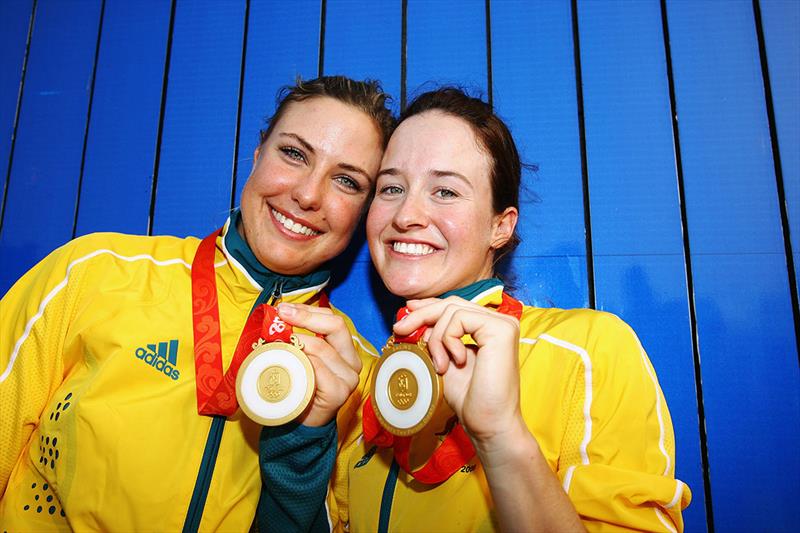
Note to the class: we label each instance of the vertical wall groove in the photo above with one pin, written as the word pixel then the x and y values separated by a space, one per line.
pixel 16 114
pixel 776 159
pixel 240 98
pixel 323 8
pixel 88 117
pixel 687 257
pixel 403 53
pixel 587 214
pixel 489 87
pixel 161 113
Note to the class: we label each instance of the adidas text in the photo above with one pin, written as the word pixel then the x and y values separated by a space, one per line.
pixel 156 357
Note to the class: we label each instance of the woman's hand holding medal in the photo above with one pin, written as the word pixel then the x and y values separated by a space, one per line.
pixel 481 383
pixel 332 354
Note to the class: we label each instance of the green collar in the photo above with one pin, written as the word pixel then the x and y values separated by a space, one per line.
pixel 267 279
pixel 471 291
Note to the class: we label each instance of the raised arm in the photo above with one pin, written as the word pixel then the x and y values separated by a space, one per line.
pixel 297 460
pixel 481 384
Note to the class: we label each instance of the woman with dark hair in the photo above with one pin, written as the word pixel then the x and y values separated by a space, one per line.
pixel 553 419
pixel 115 413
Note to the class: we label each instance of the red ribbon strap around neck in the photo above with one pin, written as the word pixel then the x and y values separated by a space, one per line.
pixel 456 449
pixel 216 392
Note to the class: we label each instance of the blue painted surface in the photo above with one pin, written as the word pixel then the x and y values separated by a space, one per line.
pixel 44 177
pixel 282 44
pixel 194 176
pixel 534 90
pixel 636 226
pixel 14 21
pixel 446 45
pixel 362 40
pixel 747 341
pixel 120 151
pixel 781 20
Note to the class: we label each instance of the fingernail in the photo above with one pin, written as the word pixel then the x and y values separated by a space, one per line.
pixel 286 309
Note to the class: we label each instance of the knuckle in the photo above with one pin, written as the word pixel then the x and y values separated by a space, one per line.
pixel 338 322
pixel 352 381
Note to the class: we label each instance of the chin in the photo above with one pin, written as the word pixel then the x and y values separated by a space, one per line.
pixel 409 290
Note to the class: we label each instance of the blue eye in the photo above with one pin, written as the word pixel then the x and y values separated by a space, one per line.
pixel 349 183
pixel 391 190
pixel 446 193
pixel 293 153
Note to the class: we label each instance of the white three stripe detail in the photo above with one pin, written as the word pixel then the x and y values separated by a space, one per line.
pixel 52 294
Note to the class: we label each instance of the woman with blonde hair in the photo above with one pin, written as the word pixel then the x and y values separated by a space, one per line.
pixel 119 354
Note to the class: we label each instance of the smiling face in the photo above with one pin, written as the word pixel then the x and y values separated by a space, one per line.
pixel 431 227
pixel 310 182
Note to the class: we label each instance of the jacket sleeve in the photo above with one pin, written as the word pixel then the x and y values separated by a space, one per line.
pixel 620 437
pixel 34 320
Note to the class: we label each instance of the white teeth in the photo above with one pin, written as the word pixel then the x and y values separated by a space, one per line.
pixel 412 248
pixel 294 227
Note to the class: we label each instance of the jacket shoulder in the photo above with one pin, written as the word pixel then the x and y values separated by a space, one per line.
pixel 120 244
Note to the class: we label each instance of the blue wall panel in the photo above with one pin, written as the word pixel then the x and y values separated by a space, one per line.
pixel 43 183
pixel 534 90
pixel 747 340
pixel 120 150
pixel 14 23
pixel 279 49
pixel 194 175
pixel 636 223
pixel 446 45
pixel 362 40
pixel 781 22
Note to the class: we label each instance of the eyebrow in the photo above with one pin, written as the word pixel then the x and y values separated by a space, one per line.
pixel 435 173
pixel 388 172
pixel 299 139
pixel 353 168
pixel 453 173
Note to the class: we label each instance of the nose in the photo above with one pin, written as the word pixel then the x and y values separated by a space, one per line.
pixel 308 192
pixel 411 213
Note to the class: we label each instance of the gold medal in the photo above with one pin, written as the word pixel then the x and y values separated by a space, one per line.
pixel 406 390
pixel 275 382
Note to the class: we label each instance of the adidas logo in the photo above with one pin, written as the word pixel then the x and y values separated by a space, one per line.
pixel 367 456
pixel 162 357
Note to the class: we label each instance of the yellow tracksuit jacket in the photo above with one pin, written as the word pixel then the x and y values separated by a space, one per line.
pixel 590 397
pixel 99 427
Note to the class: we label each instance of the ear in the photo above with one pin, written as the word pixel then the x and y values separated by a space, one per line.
pixel 504 225
pixel 256 153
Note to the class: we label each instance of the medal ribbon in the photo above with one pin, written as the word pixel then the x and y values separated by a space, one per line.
pixel 216 392
pixel 456 449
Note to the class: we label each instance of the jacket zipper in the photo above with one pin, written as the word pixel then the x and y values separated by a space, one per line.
pixel 206 471
pixel 388 496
